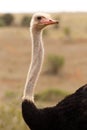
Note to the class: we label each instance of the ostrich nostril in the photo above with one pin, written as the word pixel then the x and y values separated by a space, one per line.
pixel 50 20
pixel 57 22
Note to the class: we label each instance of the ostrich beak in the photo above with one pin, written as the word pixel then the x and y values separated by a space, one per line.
pixel 49 21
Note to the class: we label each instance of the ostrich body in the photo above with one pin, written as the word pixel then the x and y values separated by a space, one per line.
pixel 71 112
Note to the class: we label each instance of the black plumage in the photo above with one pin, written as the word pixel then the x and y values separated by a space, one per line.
pixel 69 114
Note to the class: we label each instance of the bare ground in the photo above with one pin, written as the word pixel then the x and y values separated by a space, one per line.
pixel 15 53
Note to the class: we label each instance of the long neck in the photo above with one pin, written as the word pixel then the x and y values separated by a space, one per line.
pixel 35 67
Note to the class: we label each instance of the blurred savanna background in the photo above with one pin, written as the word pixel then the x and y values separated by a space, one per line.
pixel 64 68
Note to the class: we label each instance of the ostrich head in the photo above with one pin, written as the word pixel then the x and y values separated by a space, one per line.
pixel 38 22
pixel 41 20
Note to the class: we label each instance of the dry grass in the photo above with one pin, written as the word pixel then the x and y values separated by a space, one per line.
pixel 15 54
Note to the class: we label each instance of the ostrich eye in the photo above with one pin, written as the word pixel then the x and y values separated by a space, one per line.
pixel 39 17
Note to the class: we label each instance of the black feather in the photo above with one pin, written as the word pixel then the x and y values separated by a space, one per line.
pixel 69 114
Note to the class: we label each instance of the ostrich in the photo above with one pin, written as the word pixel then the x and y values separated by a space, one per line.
pixel 71 112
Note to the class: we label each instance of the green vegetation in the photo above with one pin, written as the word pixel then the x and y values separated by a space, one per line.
pixel 8 19
pixel 10 95
pixel 15 49
pixel 50 95
pixel 26 21
pixel 10 111
pixel 55 64
pixel 67 32
pixel 2 23
pixel 10 117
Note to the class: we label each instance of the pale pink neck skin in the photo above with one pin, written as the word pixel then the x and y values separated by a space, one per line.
pixel 35 66
pixel 37 54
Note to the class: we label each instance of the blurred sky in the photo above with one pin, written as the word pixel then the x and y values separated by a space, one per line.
pixel 42 5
